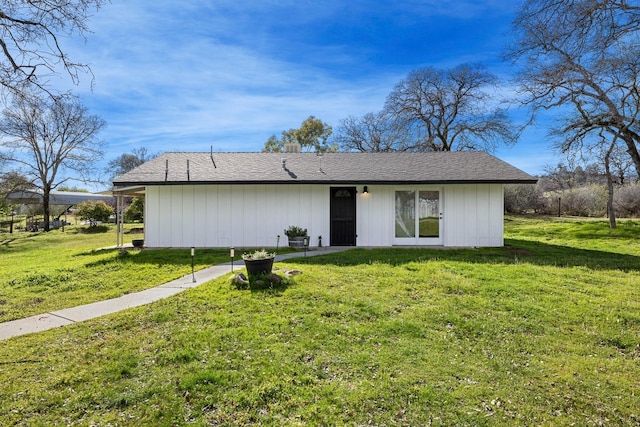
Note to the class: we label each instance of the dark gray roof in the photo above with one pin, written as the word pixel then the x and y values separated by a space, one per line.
pixel 331 168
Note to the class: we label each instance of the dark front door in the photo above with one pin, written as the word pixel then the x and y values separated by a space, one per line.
pixel 343 216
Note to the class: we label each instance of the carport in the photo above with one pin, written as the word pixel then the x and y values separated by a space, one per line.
pixel 120 194
pixel 56 198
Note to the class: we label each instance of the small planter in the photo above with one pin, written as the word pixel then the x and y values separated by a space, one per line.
pixel 298 242
pixel 296 237
pixel 137 243
pixel 258 262
pixel 257 267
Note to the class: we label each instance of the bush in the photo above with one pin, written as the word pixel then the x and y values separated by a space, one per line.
pixel 589 201
pixel 523 198
pixel 94 211
pixel 627 201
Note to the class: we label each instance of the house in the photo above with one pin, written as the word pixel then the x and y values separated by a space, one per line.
pixel 343 199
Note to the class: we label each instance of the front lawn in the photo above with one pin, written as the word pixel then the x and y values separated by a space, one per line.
pixel 42 272
pixel 545 332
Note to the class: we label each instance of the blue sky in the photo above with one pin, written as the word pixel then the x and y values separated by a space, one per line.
pixel 183 76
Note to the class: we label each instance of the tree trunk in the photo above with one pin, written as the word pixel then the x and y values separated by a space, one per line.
pixel 632 150
pixel 45 207
pixel 610 209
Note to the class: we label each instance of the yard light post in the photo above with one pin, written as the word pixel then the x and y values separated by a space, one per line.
pixel 305 242
pixel 193 274
pixel 277 243
pixel 232 254
pixel 13 213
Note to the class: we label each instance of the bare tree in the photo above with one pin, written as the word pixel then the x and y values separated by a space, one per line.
pixel 447 110
pixel 373 132
pixel 562 176
pixel 582 57
pixel 48 138
pixel 128 161
pixel 30 34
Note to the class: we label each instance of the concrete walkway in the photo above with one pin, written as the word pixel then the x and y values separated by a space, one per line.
pixel 68 316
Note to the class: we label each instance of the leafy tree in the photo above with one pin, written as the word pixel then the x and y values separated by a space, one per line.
pixel 47 138
pixel 582 58
pixel 30 48
pixel 73 189
pixel 312 135
pixel 447 110
pixel 129 161
pixel 94 211
pixel 10 182
pixel 135 211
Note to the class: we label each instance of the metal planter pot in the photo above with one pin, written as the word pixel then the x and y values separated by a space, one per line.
pixel 257 267
pixel 298 242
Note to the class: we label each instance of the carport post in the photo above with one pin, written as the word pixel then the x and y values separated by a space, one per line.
pixel 13 213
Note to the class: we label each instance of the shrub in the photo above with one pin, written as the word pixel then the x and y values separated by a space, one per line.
pixel 135 211
pixel 523 198
pixel 627 201
pixel 590 201
pixel 94 211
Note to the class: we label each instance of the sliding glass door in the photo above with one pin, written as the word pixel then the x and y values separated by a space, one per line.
pixel 418 217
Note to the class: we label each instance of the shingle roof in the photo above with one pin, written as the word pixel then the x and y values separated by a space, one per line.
pixel 332 168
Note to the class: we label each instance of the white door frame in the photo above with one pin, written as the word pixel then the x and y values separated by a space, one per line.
pixel 408 232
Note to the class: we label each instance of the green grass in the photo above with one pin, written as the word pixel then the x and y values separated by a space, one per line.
pixel 42 272
pixel 545 332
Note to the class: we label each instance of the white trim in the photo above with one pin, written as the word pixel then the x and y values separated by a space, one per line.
pixel 417 240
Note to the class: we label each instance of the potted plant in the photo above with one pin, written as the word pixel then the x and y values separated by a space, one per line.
pixel 258 262
pixel 296 236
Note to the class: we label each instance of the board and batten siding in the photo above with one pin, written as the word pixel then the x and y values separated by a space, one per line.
pixel 474 215
pixel 253 215
pixel 233 215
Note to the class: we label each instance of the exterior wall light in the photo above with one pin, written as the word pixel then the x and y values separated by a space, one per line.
pixel 365 190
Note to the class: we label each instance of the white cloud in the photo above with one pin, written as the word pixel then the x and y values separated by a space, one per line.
pixel 186 75
pixel 157 89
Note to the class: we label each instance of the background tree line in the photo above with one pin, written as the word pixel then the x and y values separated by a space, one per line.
pixel 574 191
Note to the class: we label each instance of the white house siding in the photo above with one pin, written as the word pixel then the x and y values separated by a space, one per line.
pixel 233 215
pixel 253 215
pixel 474 215
pixel 375 224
